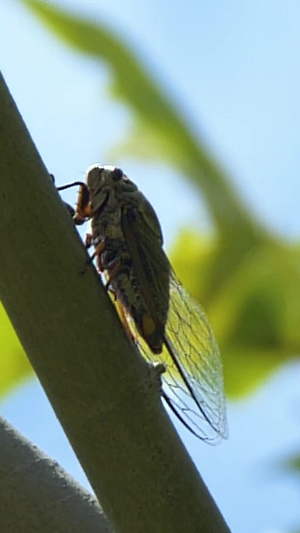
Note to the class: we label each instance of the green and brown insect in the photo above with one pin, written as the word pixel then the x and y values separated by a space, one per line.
pixel 156 310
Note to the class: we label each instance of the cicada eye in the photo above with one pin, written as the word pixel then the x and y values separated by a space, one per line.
pixel 117 174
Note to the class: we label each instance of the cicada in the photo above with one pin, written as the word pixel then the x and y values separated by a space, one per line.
pixel 161 318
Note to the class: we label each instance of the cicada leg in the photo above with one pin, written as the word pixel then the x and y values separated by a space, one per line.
pixel 114 268
pixel 88 240
pixel 111 269
pixel 100 247
pixel 83 208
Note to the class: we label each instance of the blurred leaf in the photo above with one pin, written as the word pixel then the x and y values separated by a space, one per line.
pixel 255 313
pixel 292 464
pixel 14 365
pixel 160 130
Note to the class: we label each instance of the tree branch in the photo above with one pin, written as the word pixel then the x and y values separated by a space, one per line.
pixel 98 385
pixel 36 494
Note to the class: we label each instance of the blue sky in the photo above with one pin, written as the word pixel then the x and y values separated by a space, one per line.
pixel 233 67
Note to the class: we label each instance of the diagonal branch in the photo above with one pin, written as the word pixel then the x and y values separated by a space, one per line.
pixel 99 387
pixel 36 494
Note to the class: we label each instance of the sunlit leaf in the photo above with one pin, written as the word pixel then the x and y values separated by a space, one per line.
pixel 14 365
pixel 255 313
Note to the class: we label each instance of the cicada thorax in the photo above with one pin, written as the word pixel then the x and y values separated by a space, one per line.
pixel 138 299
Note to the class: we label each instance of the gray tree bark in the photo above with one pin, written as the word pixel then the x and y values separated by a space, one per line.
pixel 37 495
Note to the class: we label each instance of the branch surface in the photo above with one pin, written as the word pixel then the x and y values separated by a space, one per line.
pixel 36 494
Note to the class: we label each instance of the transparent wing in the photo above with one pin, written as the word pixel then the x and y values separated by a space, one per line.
pixel 194 369
pixel 193 380
pixel 193 383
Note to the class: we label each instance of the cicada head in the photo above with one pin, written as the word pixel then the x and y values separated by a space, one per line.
pixel 103 180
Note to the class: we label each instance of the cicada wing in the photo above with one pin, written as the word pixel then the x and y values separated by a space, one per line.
pixel 194 370
pixel 193 377
pixel 151 266
pixel 189 388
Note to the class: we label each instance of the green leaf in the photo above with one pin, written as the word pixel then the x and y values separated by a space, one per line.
pixel 291 464
pixel 255 313
pixel 15 366
pixel 159 126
